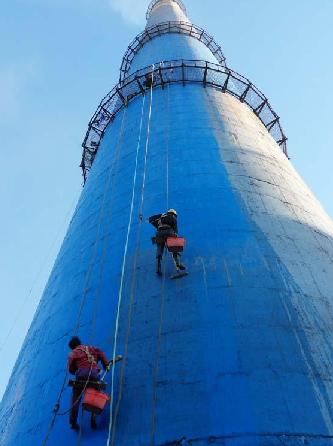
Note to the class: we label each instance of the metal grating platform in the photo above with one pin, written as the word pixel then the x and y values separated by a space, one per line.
pixel 185 28
pixel 178 72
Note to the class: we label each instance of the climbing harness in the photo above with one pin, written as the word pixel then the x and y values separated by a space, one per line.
pixel 90 356
pixel 95 398
pixel 166 238
pixel 77 401
pixel 92 391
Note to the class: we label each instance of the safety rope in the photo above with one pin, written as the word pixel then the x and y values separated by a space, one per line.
pixel 92 335
pixel 76 402
pixel 120 294
pixel 131 303
pixel 157 359
pixel 129 320
pixel 97 294
pixel 101 215
pixel 147 144
pixel 167 146
pixel 87 276
pixel 162 294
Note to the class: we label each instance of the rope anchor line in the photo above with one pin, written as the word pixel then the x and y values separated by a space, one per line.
pixel 55 411
pixel 121 286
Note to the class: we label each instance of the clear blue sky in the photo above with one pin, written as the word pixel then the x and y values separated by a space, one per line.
pixel 60 57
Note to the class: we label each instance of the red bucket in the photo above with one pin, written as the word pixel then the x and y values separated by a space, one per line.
pixel 175 244
pixel 94 401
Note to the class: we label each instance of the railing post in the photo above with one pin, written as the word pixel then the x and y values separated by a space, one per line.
pixel 205 75
pixel 122 97
pixel 225 85
pixel 243 96
pixel 183 73
pixel 161 76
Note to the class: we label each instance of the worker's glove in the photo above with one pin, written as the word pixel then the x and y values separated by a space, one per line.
pixel 117 358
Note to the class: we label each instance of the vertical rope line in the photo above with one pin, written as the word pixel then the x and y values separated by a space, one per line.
pixel 157 361
pixel 128 329
pixel 121 286
pixel 101 214
pixel 162 294
pixel 147 144
pixel 162 303
pixel 104 251
pixel 98 293
pixel 167 148
pixel 87 279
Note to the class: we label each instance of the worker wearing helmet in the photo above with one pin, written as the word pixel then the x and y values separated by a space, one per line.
pixel 167 226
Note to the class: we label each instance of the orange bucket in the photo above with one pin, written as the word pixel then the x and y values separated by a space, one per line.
pixel 175 244
pixel 95 401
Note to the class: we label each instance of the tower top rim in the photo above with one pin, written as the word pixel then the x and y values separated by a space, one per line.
pixel 153 3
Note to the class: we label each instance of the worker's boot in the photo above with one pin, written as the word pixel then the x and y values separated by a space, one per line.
pixel 75 426
pixel 158 266
pixel 93 423
pixel 178 263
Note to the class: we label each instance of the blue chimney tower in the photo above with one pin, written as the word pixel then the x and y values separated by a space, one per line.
pixel 239 352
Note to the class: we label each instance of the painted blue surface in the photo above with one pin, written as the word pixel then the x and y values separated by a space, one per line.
pixel 171 47
pixel 218 357
pixel 203 355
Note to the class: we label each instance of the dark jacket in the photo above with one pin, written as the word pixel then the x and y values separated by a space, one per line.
pixel 164 222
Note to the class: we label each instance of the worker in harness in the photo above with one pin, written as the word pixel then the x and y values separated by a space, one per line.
pixel 149 80
pixel 83 363
pixel 167 226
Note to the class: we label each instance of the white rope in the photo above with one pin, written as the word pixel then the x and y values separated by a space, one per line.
pixel 167 148
pixel 120 294
pixel 147 144
pixel 87 275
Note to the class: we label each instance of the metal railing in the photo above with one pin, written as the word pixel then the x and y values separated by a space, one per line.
pixel 153 3
pixel 178 72
pixel 160 29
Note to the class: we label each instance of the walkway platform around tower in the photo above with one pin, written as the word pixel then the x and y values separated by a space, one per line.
pixel 185 28
pixel 178 72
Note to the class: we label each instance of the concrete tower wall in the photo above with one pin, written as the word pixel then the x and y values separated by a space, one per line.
pixel 166 11
pixel 238 353
pixel 171 47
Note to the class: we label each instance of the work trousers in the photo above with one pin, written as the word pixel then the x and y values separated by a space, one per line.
pixel 82 375
pixel 161 237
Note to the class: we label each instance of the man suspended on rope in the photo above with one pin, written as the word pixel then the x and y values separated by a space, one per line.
pixel 149 80
pixel 83 363
pixel 166 225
